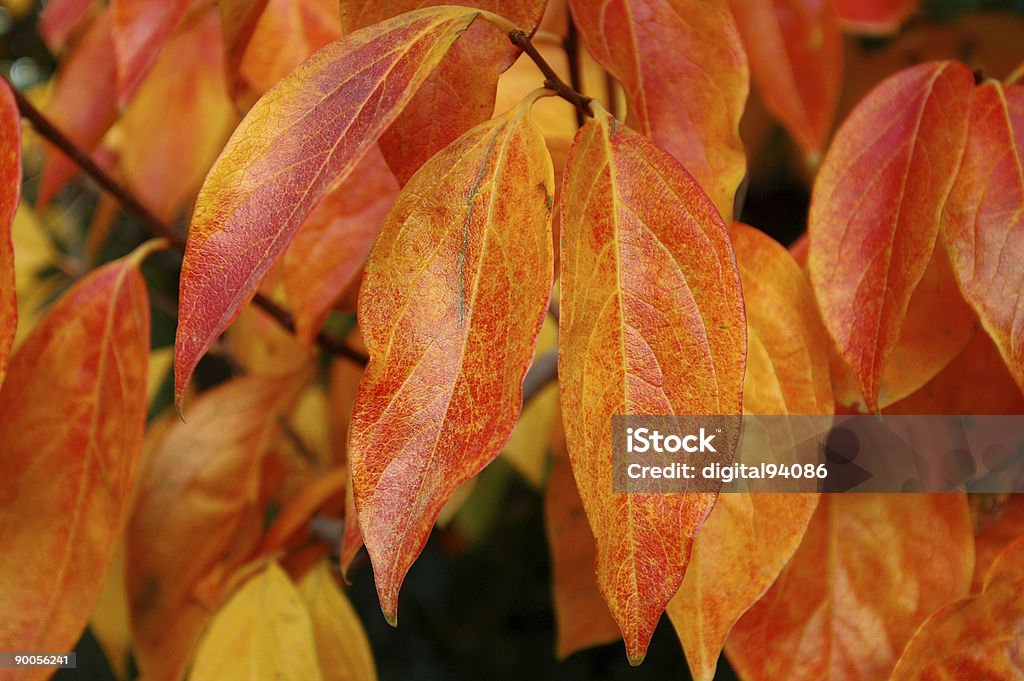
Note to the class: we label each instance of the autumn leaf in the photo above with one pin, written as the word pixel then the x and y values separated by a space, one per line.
pixel 434 118
pixel 263 632
pixel 168 149
pixel 651 323
pixel 983 223
pixel 855 591
pixel 874 17
pixel 454 295
pixel 796 58
pixel 60 19
pixel 659 49
pixel 208 471
pixel 10 195
pixel 875 210
pixel 140 29
pixel 329 250
pixel 581 614
pixel 993 539
pixel 74 409
pixel 981 637
pixel 296 143
pixel 238 19
pixel 341 642
pixel 748 538
pixel 83 114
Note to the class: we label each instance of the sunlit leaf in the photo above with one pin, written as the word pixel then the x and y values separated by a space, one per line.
pixel 869 571
pixel 10 195
pixel 207 471
pixel 140 29
pixel 296 143
pixel 341 642
pixel 875 210
pixel 796 58
pixel 454 295
pixel 981 637
pixel 748 538
pixel 263 633
pixel 983 222
pixel 660 49
pixel 74 409
pixel 651 323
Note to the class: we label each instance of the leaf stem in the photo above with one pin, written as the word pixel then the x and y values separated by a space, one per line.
pixel 158 227
pixel 552 81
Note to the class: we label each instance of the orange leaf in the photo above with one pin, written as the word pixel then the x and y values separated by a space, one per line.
pixel 436 115
pixel 651 323
pixel 74 409
pixel 343 387
pixel 868 572
pixel 659 49
pixel 993 539
pixel 796 56
pixel 748 538
pixel 296 143
pixel 60 19
pixel 179 119
pixel 329 250
pixel 875 210
pixel 291 526
pixel 10 195
pixel 983 221
pixel 180 563
pixel 83 104
pixel 238 19
pixel 454 295
pixel 981 637
pixel 874 17
pixel 580 612
pixel 140 29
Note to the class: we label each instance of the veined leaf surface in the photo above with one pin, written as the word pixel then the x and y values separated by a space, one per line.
pixel 454 295
pixel 295 144
pixel 875 210
pixel 651 323
pixel 74 410
pixel 10 195
pixel 661 49
pixel 983 221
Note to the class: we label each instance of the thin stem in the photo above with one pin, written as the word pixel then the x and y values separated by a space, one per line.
pixel 552 82
pixel 46 129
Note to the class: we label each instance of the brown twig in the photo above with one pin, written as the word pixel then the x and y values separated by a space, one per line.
pixel 552 81
pixel 46 129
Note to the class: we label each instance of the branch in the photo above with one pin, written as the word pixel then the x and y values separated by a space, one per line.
pixel 552 82
pixel 47 130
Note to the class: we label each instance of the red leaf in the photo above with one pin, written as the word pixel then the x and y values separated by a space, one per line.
pixel 875 210
pixel 74 409
pixel 140 28
pixel 874 17
pixel 10 195
pixel 983 221
pixel 296 143
pixel 796 56
pixel 659 49
pixel 454 295
pixel 651 323
pixel 60 19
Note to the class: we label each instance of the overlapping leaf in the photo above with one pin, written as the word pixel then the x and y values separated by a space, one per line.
pixel 60 19
pixel 74 409
pixel 661 49
pixel 10 194
pixel 296 143
pixel 341 643
pixel 748 538
pixel 263 633
pixel 869 571
pixel 179 119
pixel 976 638
pixel 327 254
pixel 454 295
pixel 238 20
pixel 875 210
pixel 983 221
pixel 460 93
pixel 140 29
pixel 207 470
pixel 651 323
pixel 796 57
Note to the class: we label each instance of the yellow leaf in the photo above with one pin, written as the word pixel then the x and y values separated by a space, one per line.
pixel 341 641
